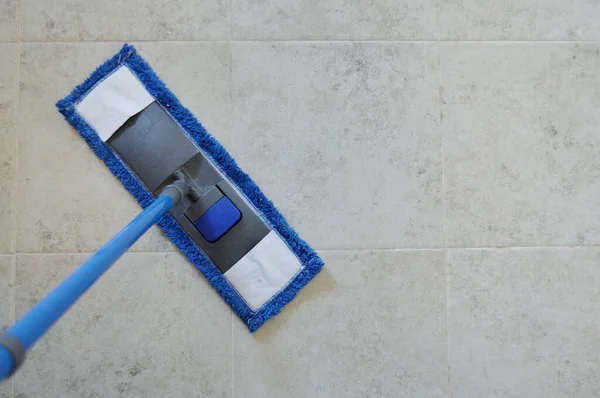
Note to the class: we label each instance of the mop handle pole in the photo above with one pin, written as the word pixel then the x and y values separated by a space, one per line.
pixel 34 324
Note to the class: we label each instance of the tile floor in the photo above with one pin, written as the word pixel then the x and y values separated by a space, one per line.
pixel 442 155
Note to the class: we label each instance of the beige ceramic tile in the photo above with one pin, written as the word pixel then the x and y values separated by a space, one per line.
pixel 521 143
pixel 151 327
pixel 524 322
pixel 68 200
pixel 8 137
pixel 331 20
pixel 372 324
pixel 6 308
pixel 8 20
pixel 344 137
pixel 83 20
pixel 519 20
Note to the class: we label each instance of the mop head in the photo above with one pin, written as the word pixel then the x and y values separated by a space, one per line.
pixel 270 274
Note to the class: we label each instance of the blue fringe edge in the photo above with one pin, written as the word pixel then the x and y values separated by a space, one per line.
pixel 311 263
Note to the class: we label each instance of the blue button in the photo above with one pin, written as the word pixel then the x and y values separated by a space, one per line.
pixel 217 220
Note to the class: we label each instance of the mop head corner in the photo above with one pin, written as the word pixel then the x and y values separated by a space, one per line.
pixel 309 263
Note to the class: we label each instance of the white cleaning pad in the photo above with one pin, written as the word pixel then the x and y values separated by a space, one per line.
pixel 113 101
pixel 264 271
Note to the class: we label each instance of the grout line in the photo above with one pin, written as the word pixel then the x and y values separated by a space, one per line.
pixel 548 247
pixel 316 41
pixel 16 141
pixel 15 182
pixel 333 41
pixel 230 100
pixel 417 41
pixel 412 41
pixel 232 146
pixel 450 248
pixel 13 277
pixel 88 253
pixel 226 40
pixel 523 41
pixel 129 40
pixel 445 219
pixel 370 249
pixel 13 308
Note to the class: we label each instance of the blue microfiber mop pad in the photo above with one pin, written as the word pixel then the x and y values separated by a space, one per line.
pixel 310 261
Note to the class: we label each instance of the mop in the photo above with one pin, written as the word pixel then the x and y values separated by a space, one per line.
pixel 189 185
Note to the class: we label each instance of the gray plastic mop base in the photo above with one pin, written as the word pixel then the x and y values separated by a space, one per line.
pixel 155 148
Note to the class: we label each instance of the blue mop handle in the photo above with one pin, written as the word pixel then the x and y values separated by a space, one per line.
pixel 34 324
